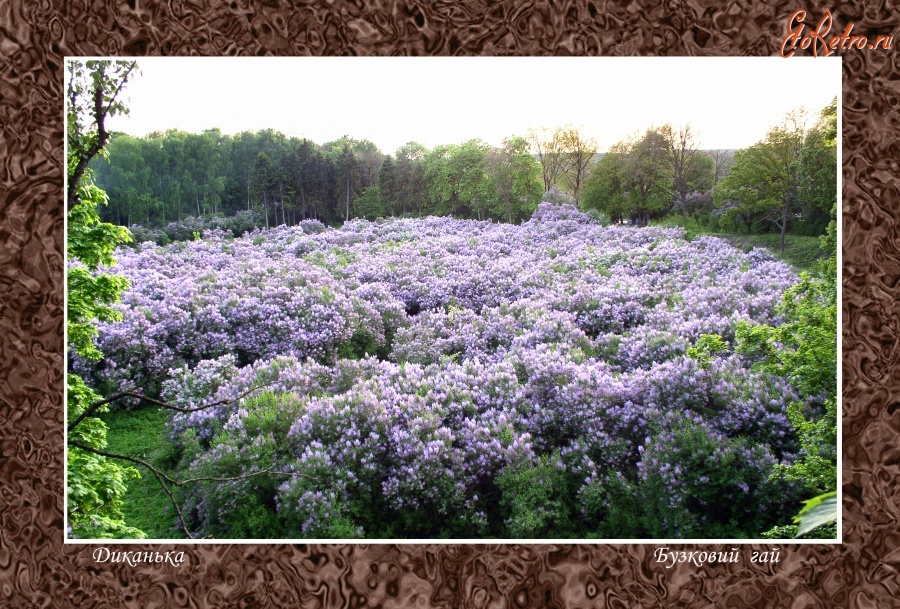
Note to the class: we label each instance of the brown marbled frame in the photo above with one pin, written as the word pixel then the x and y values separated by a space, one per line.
pixel 36 569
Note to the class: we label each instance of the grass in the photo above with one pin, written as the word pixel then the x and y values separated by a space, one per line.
pixel 800 251
pixel 141 433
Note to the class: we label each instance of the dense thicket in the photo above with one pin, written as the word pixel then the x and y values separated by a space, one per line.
pixel 421 378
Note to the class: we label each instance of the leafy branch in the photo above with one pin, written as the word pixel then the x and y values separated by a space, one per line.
pixel 164 478
pixel 93 408
pixel 108 79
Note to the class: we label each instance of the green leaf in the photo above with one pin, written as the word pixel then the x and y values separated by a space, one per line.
pixel 817 511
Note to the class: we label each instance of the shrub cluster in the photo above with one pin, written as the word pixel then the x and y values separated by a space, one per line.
pixel 425 378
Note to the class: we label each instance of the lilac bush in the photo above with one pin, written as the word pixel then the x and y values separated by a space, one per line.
pixel 422 377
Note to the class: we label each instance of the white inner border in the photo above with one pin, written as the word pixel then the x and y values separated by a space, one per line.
pixel 838 61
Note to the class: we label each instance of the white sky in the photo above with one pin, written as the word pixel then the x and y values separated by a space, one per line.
pixel 730 102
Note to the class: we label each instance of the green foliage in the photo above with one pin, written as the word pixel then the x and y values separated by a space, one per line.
pixel 95 485
pixel 605 190
pixel 535 496
pixel 90 294
pixel 515 175
pixel 615 506
pixel 360 345
pixel 143 433
pixel 92 95
pixel 817 173
pixel 256 438
pixel 632 180
pixel 817 512
pixel 763 181
pixel 803 349
pixel 787 181
pixel 369 204
pixel 694 492
pixel 706 348
pixel 458 179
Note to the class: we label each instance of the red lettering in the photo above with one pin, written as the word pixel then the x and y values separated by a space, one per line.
pixel 846 35
pixel 794 34
pixel 819 33
pixel 818 40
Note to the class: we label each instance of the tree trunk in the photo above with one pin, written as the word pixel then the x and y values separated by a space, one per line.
pixel 784 211
pixel 302 203
pixel 347 214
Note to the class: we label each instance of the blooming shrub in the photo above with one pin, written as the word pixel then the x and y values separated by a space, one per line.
pixel 434 377
pixel 695 482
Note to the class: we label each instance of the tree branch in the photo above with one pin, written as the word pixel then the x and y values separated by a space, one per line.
pixel 162 477
pixel 162 483
pixel 90 410
pixel 100 113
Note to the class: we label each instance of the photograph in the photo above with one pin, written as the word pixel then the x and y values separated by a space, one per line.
pixel 449 305
pixel 413 299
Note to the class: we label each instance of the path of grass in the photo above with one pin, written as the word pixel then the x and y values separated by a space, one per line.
pixel 141 433
pixel 801 252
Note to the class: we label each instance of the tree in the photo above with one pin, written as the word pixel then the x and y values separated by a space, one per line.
pixel 577 152
pixel 606 189
pixel 817 173
pixel 356 164
pixel 389 186
pixel 441 184
pixel 95 485
pixel 93 95
pixel 369 204
pixel 127 181
pixel 514 173
pixel 648 181
pixel 206 168
pixel 303 168
pixel 550 153
pixel 346 163
pixel 412 186
pixel 689 169
pixel 722 161
pixel 764 179
pixel 262 182
pixel 244 148
pixel 632 179
pixel 458 180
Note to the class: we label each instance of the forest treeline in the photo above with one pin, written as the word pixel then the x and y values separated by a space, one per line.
pixel 784 183
pixel 167 177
